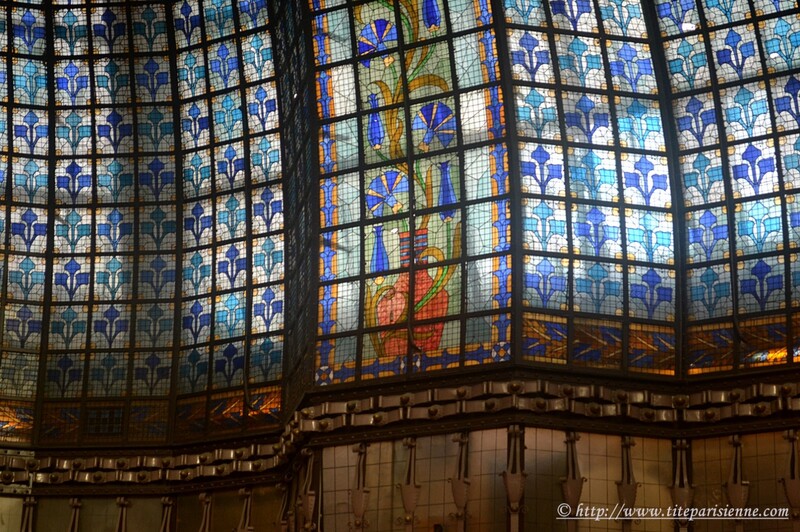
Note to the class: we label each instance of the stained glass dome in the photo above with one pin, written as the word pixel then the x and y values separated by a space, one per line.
pixel 212 207
pixel 598 184
pixel 142 219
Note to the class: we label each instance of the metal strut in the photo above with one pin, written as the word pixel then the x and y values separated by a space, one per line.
pixel 409 489
pixel 459 484
pixel 627 485
pixel 359 496
pixel 514 476
pixel 572 483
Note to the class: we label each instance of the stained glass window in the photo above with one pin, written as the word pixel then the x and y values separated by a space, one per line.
pixel 735 116
pixel 232 292
pixel 414 190
pixel 596 184
pixel 651 151
pixel 598 215
pixel 24 142
pixel 143 202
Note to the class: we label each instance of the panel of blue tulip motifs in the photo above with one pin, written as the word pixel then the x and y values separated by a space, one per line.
pixel 91 183
pixel 23 228
pixel 598 216
pixel 232 272
pixel 111 308
pixel 733 69
pixel 414 199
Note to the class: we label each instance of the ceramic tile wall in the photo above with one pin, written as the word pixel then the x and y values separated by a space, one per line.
pixel 436 463
pixel 383 473
pixel 652 467
pixel 52 515
pixel 10 514
pixel 337 465
pixel 711 459
pixel 97 514
pixel 545 464
pixel 225 514
pixel 765 460
pixel 386 465
pixel 486 509
pixel 599 457
pixel 600 461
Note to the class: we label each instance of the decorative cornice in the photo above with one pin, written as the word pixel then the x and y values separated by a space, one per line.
pixel 535 402
pixel 541 396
